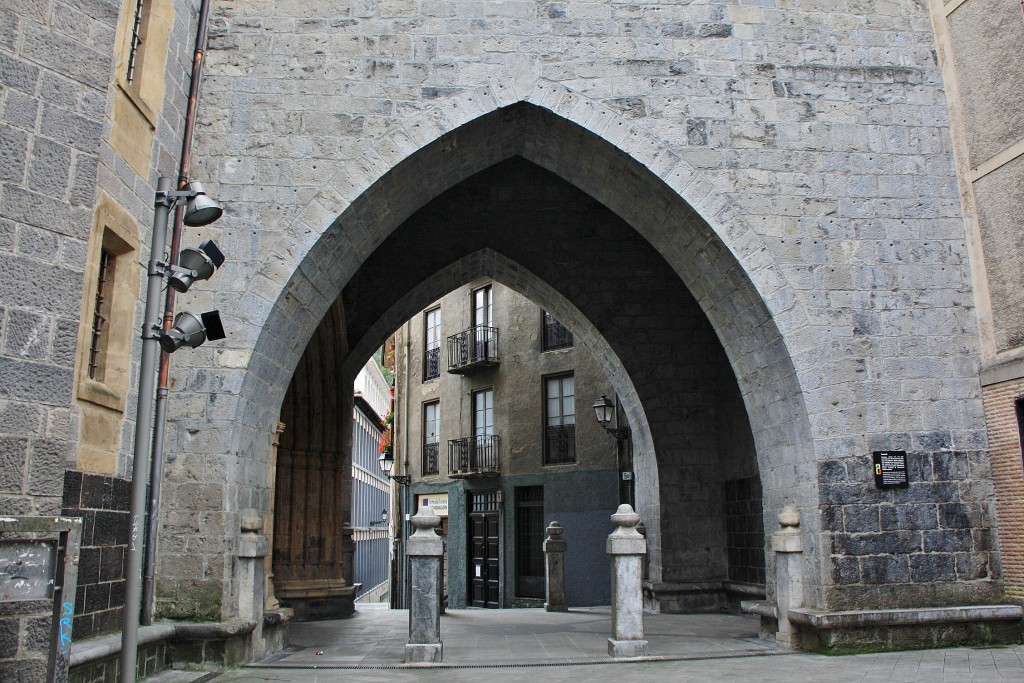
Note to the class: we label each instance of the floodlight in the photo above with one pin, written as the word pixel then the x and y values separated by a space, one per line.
pixel 188 330
pixel 200 210
pixel 195 264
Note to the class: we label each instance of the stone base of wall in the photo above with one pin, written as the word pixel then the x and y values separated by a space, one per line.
pixel 907 629
pixel 195 646
pixel 704 596
pixel 152 659
pixel 315 609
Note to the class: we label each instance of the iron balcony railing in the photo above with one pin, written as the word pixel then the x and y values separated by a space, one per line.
pixel 432 363
pixel 475 347
pixel 559 444
pixel 473 455
pixel 556 335
pixel 430 458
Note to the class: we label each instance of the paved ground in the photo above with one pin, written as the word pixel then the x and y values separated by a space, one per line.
pixel 517 645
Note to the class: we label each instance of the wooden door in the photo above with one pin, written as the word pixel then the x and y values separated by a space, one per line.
pixel 484 549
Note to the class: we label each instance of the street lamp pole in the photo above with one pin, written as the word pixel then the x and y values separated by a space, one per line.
pixel 144 430
pixel 188 330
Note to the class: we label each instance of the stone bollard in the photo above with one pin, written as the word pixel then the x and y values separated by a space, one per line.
pixel 554 570
pixel 788 548
pixel 627 549
pixel 252 548
pixel 425 551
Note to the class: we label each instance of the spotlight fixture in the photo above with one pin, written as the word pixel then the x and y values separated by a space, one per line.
pixel 200 209
pixel 195 264
pixel 188 330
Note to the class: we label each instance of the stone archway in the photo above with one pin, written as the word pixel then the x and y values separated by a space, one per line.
pixel 723 268
pixel 526 131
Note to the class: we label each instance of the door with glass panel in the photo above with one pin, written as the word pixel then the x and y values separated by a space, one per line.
pixel 432 344
pixel 431 436
pixel 483 323
pixel 484 453
pixel 560 420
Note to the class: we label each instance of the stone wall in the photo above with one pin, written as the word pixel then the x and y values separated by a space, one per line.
pixel 52 121
pixel 793 170
pixel 103 503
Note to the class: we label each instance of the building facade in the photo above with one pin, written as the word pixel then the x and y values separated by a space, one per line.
pixel 496 427
pixel 371 489
pixel 753 204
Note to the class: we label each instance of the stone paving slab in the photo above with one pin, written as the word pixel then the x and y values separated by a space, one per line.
pixel 522 636
pixel 517 645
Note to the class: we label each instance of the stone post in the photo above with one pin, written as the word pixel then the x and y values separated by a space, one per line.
pixel 627 549
pixel 554 570
pixel 788 548
pixel 425 550
pixel 268 522
pixel 252 549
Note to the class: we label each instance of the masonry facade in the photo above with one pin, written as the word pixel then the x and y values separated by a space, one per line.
pixel 984 86
pixel 495 423
pixel 780 177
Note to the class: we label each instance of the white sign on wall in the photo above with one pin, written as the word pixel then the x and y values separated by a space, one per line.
pixel 438 501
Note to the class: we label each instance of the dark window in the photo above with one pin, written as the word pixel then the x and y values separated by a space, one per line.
pixel 432 344
pixel 559 420
pixel 139 26
pixel 556 335
pixel 1019 405
pixel 483 307
pixel 101 316
pixel 530 541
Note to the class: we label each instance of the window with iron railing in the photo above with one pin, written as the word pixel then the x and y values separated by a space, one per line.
pixel 556 335
pixel 431 438
pixel 559 444
pixel 432 344
pixel 101 316
pixel 430 465
pixel 559 420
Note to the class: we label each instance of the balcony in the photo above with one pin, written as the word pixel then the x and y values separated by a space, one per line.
pixel 432 363
pixel 474 348
pixel 556 335
pixel 473 456
pixel 430 458
pixel 559 444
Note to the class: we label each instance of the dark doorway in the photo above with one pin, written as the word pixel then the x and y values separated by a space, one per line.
pixel 530 542
pixel 484 532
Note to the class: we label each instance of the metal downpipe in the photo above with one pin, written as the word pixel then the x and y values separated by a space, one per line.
pixel 156 460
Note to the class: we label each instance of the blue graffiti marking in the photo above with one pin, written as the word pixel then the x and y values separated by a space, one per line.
pixel 65 627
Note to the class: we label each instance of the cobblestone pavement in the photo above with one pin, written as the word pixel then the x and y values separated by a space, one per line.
pixel 517 645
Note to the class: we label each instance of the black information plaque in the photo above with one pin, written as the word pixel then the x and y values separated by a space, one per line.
pixel 890 469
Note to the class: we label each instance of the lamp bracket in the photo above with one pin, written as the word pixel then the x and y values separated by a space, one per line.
pixel 151 331
pixel 175 268
pixel 158 267
pixel 620 433
pixel 174 197
pixel 403 479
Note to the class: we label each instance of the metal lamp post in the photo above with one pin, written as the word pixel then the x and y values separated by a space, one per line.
pixel 201 210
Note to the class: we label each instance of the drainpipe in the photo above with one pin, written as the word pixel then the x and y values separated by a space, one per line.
pixel 406 491
pixel 156 460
